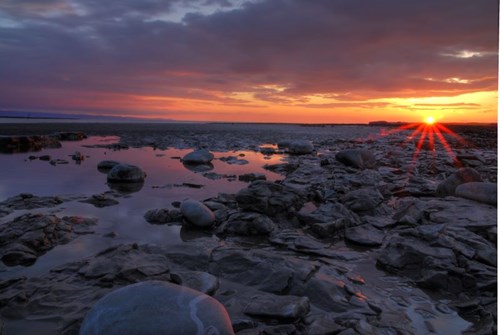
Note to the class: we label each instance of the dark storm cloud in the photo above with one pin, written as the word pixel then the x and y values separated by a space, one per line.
pixel 384 48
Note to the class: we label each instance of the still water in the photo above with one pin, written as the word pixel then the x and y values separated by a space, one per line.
pixel 165 174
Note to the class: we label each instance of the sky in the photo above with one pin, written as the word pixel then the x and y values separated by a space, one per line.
pixel 304 61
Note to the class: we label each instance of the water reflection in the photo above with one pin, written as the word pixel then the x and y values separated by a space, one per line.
pixel 197 168
pixel 126 188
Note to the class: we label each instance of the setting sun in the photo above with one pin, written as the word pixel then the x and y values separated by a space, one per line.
pixel 430 120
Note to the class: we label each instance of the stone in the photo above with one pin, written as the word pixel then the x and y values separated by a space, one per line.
pixel 365 235
pixel 156 307
pixel 201 156
pixel 28 201
pixel 70 136
pixel 100 201
pixel 300 147
pixel 269 198
pixel 125 173
pixel 461 176
pixel 163 215
pixel 105 166
pixel 31 235
pixel 363 200
pixel 358 158
pixel 197 213
pixel 478 191
pixel 277 306
pixel 248 223
pixel 197 280
pixel 15 144
pixel 249 177
pixel 78 156
pixel 233 160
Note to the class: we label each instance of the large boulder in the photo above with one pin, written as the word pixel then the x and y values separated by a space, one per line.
pixel 461 176
pixel 126 173
pixel 269 198
pixel 358 158
pixel 300 147
pixel 156 308
pixel 197 213
pixel 482 192
pixel 201 156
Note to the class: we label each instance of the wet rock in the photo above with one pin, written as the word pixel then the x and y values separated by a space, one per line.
pixel 163 216
pixel 58 162
pixel 329 219
pixel 125 188
pixel 478 191
pixel 105 166
pixel 78 156
pixel 282 168
pixel 269 198
pixel 71 136
pixel 249 177
pixel 267 150
pixel 197 280
pixel 197 213
pixel 198 168
pixel 365 235
pixel 201 156
pixel 300 147
pixel 15 144
pixel 28 201
pixel 358 158
pixel 31 235
pixel 363 200
pixel 125 173
pixel 233 160
pixel 100 200
pixel 45 158
pixel 177 310
pixel 275 306
pixel 461 176
pixel 247 223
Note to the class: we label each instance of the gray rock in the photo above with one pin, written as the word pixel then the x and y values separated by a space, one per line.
pixel 358 158
pixel 163 215
pixel 197 213
pixel 105 166
pixel 300 147
pixel 249 177
pixel 365 235
pixel 31 235
pixel 201 156
pixel 281 307
pixel 478 191
pixel 248 223
pixel 269 198
pixel 363 200
pixel 197 280
pixel 125 173
pixel 28 201
pixel 156 308
pixel 233 160
pixel 461 176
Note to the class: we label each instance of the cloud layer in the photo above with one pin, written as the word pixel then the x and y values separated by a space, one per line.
pixel 157 56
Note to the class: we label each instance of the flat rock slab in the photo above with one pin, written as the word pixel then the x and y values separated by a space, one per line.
pixel 275 306
pixel 31 235
pixel 365 235
pixel 482 192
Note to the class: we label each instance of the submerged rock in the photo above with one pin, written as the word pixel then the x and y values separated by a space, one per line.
pixel 201 156
pixel 126 173
pixel 197 213
pixel 156 307
pixel 482 192
pixel 249 177
pixel 163 215
pixel 461 176
pixel 358 158
pixel 100 200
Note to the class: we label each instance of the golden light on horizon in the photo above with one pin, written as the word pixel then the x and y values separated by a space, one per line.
pixel 430 120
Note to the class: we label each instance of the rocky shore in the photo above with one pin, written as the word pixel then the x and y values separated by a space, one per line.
pixel 364 234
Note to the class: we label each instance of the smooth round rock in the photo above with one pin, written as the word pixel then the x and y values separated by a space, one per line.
pixel 197 213
pixel 481 192
pixel 300 147
pixel 125 173
pixel 156 308
pixel 201 156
